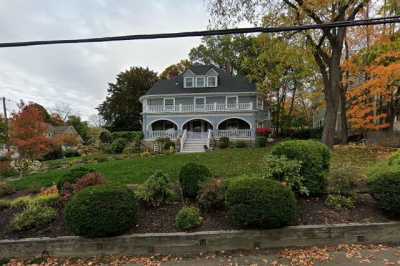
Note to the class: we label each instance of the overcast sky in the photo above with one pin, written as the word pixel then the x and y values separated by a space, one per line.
pixel 78 74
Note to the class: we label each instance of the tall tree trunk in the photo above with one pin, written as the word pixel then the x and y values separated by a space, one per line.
pixel 332 96
pixel 343 133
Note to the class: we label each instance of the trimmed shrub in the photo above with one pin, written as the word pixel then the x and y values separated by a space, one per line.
pixel 156 190
pixel 314 157
pixel 285 171
pixel 91 179
pixel 212 195
pixel 188 218
pixel 6 189
pixel 191 176
pixel 72 176
pixel 105 137
pixel 132 148
pixel 33 216
pixel 223 143
pixel 384 186
pixel 260 203
pixel 118 145
pixel 101 211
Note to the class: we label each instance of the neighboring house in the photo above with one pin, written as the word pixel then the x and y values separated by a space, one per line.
pixel 55 131
pixel 204 102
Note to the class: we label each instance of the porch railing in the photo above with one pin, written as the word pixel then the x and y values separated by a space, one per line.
pixel 190 108
pixel 155 134
pixel 234 133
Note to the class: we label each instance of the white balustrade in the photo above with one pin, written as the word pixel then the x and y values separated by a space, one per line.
pixel 234 133
pixel 155 134
pixel 190 108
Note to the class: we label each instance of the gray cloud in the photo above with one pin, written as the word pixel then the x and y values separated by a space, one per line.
pixel 78 74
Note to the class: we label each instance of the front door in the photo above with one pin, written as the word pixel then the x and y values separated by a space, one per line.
pixel 198 128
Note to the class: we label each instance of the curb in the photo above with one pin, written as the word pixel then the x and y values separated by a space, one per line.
pixel 186 244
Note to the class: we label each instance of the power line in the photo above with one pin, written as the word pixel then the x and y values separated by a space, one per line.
pixel 338 24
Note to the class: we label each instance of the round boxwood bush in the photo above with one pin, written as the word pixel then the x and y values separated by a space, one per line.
pixel 72 175
pixel 259 203
pixel 190 178
pixel 101 211
pixel 314 157
pixel 118 145
pixel 188 218
pixel 384 186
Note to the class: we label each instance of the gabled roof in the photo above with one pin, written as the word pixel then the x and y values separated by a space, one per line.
pixel 226 83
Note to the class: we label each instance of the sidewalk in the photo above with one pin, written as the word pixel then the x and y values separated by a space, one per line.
pixel 344 255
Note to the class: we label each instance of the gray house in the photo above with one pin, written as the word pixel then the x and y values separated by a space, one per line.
pixel 203 103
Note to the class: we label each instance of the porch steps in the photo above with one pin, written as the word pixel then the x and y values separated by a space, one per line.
pixel 194 145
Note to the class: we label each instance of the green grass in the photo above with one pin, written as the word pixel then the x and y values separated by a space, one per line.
pixel 222 163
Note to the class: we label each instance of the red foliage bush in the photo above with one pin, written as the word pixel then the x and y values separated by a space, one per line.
pixel 263 131
pixel 91 179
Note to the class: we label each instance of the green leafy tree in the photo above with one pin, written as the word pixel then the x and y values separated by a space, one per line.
pixel 82 127
pixel 283 72
pixel 226 52
pixel 174 70
pixel 121 109
pixel 326 44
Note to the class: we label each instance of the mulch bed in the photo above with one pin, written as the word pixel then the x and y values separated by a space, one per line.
pixel 162 219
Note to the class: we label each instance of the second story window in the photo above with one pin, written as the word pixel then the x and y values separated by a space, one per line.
pixel 200 82
pixel 169 104
pixel 188 82
pixel 211 81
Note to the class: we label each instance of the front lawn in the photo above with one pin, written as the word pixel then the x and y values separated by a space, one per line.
pixel 224 163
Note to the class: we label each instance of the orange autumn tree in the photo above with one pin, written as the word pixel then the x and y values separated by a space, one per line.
pixel 29 133
pixel 374 80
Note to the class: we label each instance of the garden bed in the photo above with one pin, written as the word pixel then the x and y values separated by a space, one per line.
pixel 162 219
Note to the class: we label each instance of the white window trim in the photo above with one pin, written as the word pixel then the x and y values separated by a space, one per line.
pixel 205 80
pixel 185 82
pixel 169 98
pixel 216 81
pixel 227 97
pixel 260 99
pixel 199 97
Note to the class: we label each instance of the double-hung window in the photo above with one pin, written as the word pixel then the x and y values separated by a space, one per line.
pixel 188 82
pixel 232 102
pixel 169 104
pixel 199 103
pixel 211 81
pixel 260 103
pixel 200 82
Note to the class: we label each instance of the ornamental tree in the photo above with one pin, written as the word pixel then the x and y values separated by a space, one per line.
pixel 29 133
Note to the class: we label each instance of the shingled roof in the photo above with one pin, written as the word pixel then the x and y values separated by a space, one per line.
pixel 226 83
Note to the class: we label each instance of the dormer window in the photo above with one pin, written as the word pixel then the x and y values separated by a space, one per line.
pixel 200 82
pixel 211 81
pixel 188 82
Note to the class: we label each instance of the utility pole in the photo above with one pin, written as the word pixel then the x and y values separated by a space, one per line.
pixel 6 121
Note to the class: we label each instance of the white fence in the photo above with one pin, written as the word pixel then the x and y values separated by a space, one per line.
pixel 190 108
